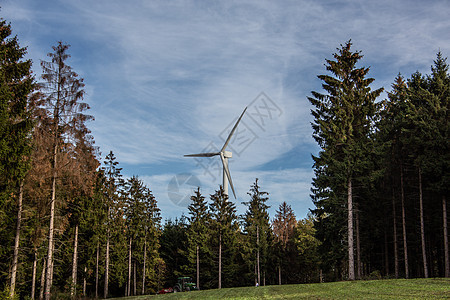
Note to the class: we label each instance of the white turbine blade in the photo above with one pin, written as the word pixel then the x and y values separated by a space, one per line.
pixel 232 131
pixel 227 171
pixel 203 154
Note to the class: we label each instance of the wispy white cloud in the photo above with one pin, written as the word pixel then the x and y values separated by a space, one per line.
pixel 165 78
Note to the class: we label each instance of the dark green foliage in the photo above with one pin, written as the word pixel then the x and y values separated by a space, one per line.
pixel 343 122
pixel 16 87
pixel 173 248
pixel 198 235
pixel 224 233
pixel 257 231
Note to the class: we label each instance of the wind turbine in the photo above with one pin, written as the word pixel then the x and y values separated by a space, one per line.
pixel 224 156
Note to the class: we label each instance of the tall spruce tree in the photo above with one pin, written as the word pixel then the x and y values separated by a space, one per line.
pixel 198 250
pixel 390 134
pixel 113 183
pixel 224 236
pixel 437 163
pixel 257 228
pixel 16 86
pixel 343 120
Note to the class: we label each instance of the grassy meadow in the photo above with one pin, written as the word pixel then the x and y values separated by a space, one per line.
pixel 435 288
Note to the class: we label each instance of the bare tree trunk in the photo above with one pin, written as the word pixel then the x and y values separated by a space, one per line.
pixel 41 292
pixel 96 270
pixel 422 227
pixel 52 264
pixel 198 269
pixel 395 236
pixel 129 269
pixel 444 218
pixel 134 279
pixel 220 261
pixel 49 273
pixel 84 282
pixel 351 257
pixel 105 294
pixel 16 242
pixel 405 245
pixel 279 274
pixel 358 247
pixel 257 255
pixel 33 279
pixel 386 253
pixel 73 290
pixel 143 268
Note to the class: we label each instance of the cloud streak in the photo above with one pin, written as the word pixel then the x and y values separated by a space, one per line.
pixel 165 78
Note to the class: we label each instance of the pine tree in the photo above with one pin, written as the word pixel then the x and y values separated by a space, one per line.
pixel 224 236
pixel 393 121
pixel 343 120
pixel 199 252
pixel 283 229
pixel 257 228
pixel 113 184
pixel 437 163
pixel 16 86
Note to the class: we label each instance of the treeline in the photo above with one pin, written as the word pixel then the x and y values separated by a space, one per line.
pixel 71 226
pixel 382 174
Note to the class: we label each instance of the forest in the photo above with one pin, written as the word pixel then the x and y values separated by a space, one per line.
pixel 72 226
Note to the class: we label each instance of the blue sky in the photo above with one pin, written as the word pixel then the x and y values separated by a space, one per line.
pixel 168 78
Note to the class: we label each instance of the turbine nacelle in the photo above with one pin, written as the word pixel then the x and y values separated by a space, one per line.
pixel 227 154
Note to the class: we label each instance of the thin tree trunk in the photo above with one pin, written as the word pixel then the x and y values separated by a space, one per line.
pixel 105 294
pixel 220 260
pixel 358 247
pixel 143 268
pixel 84 282
pixel 129 269
pixel 41 291
pixel 198 269
pixel 422 227
pixel 74 265
pixel 351 257
pixel 52 264
pixel 16 242
pixel 33 279
pixel 49 273
pixel 405 244
pixel 257 255
pixel 96 270
pixel 386 253
pixel 134 279
pixel 444 218
pixel 279 274
pixel 395 236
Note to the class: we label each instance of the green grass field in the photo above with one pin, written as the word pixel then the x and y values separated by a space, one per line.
pixel 437 288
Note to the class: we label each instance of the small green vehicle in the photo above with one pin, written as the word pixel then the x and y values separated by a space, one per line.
pixel 184 284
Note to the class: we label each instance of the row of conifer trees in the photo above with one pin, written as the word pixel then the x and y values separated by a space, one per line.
pixel 382 174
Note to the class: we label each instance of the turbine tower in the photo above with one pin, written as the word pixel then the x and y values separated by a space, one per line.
pixel 224 156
